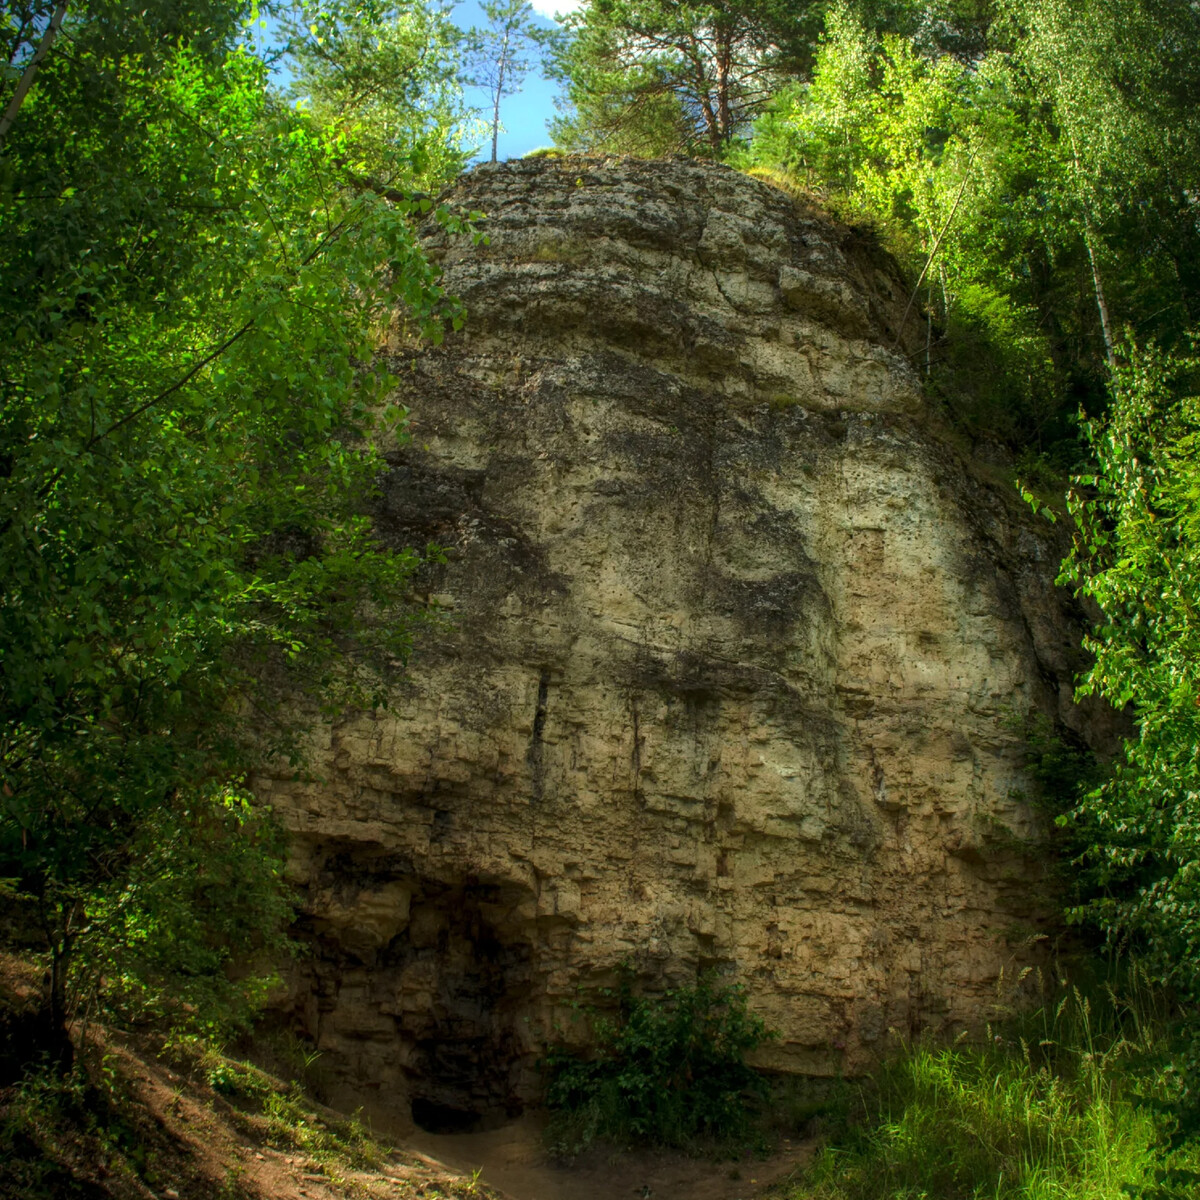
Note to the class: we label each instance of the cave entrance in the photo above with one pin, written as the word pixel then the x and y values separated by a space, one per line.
pixel 433 1117
pixel 464 973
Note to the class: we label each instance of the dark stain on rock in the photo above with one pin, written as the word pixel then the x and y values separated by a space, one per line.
pixel 533 757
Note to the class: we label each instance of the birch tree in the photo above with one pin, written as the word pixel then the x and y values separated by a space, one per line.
pixel 500 55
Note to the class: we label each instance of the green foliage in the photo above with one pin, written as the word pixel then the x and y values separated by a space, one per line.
pixel 651 77
pixel 48 1119
pixel 1060 1103
pixel 203 886
pixel 1137 558
pixel 667 1070
pixel 1039 183
pixel 382 80
pixel 946 157
pixel 193 281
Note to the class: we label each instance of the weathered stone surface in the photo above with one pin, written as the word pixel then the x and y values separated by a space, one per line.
pixel 737 643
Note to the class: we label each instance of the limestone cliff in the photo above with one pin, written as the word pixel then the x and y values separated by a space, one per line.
pixel 738 641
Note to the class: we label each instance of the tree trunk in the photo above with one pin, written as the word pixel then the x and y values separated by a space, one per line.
pixel 58 1032
pixel 54 1035
pixel 932 254
pixel 704 97
pixel 1089 239
pixel 1101 302
pixel 724 116
pixel 31 68
pixel 928 324
pixel 500 72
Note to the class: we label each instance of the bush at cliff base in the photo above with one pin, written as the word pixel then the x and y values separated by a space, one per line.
pixel 667 1070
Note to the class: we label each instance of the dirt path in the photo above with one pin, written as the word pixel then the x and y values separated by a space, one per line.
pixel 512 1159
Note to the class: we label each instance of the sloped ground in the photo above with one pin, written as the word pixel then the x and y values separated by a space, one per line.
pixel 144 1119
pixel 141 1120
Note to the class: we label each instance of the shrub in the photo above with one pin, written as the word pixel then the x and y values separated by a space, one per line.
pixel 668 1070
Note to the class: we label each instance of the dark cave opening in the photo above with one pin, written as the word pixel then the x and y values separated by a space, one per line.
pixel 471 966
pixel 418 990
pixel 433 1117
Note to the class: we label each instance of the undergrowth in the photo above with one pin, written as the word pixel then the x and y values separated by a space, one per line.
pixel 52 1123
pixel 279 1113
pixel 1077 1100
pixel 666 1070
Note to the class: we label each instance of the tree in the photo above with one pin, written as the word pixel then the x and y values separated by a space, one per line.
pixel 28 43
pixel 1137 557
pixel 1124 86
pixel 655 76
pixel 497 58
pixel 193 280
pixel 950 161
pixel 384 77
pixel 1042 189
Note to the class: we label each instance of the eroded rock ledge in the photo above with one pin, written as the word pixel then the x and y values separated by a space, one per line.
pixel 738 644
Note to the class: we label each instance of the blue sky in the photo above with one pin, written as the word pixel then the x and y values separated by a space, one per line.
pixel 524 115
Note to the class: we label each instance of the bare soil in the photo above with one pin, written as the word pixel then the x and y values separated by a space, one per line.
pixel 157 1130
pixel 513 1159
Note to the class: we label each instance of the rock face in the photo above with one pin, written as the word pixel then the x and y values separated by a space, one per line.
pixel 738 649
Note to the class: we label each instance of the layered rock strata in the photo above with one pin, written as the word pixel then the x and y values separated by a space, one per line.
pixel 737 656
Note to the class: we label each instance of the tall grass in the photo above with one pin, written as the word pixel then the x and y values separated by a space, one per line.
pixel 1070 1102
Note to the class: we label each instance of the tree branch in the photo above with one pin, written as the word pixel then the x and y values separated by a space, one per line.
pixel 26 80
pixel 213 354
pixel 932 253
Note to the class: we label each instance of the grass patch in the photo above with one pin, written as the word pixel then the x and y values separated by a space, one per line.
pixel 1076 1101
pixel 51 1124
pixel 785 182
pixel 280 1114
pixel 87 1134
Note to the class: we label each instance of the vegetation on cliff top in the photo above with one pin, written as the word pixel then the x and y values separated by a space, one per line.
pixel 1034 164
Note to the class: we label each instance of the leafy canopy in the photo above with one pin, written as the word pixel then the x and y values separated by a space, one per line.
pixel 194 278
pixel 1039 180
pixel 383 78
pixel 658 76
